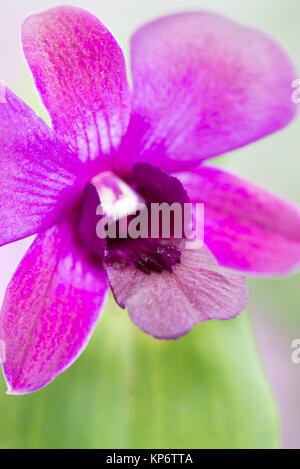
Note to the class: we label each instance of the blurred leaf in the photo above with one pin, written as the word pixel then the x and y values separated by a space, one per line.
pixel 206 390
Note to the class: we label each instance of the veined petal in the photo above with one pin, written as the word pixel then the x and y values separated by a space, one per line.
pixel 80 72
pixel 51 307
pixel 40 183
pixel 167 305
pixel 246 227
pixel 203 86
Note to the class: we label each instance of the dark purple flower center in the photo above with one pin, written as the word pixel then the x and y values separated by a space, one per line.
pixel 109 199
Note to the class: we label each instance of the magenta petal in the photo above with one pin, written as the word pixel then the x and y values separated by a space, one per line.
pixel 50 309
pixel 167 305
pixel 39 180
pixel 204 85
pixel 246 227
pixel 80 72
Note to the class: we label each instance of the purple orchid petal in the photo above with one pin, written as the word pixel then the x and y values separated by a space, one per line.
pixel 80 72
pixel 50 309
pixel 39 180
pixel 246 227
pixel 203 86
pixel 167 305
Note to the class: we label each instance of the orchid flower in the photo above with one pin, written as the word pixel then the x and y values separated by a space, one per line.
pixel 202 86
